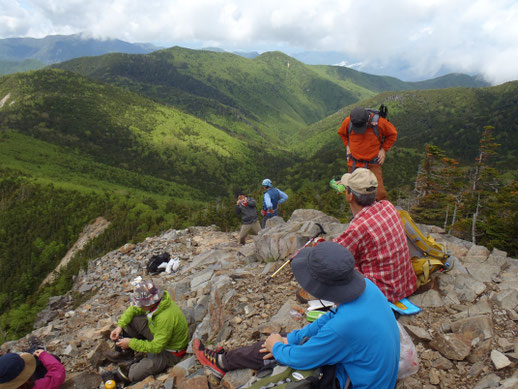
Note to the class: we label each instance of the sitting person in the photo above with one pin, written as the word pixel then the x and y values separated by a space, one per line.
pixel 17 371
pixel 153 324
pixel 376 237
pixel 360 337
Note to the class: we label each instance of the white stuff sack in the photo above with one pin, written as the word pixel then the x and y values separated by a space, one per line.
pixel 408 359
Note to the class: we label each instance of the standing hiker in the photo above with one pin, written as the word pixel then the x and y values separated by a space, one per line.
pixel 153 324
pixel 271 200
pixel 246 208
pixel 360 337
pixel 367 137
pixel 376 237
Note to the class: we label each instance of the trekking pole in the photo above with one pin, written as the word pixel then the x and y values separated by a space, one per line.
pixel 321 232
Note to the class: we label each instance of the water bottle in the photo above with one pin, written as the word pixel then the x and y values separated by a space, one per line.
pixel 340 188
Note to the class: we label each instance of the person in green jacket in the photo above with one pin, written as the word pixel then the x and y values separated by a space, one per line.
pixel 153 324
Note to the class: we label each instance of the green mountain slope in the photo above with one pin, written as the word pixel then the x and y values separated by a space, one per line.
pixel 451 119
pixel 118 128
pixel 9 67
pixel 346 76
pixel 272 95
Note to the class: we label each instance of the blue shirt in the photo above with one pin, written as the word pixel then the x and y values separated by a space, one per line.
pixel 361 338
pixel 281 197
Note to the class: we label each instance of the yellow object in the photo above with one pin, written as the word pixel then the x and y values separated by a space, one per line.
pixel 110 384
pixel 400 305
pixel 427 255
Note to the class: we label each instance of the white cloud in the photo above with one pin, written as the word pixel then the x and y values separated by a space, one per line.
pixel 427 35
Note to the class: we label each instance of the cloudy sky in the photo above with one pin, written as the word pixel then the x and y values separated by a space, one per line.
pixel 423 36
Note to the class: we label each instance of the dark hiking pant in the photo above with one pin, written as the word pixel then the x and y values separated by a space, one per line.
pixel 249 357
pixel 268 216
pixel 152 363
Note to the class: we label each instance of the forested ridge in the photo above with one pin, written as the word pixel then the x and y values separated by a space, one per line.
pixel 170 143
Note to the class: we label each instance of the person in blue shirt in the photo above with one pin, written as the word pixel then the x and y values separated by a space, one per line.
pixel 271 200
pixel 360 337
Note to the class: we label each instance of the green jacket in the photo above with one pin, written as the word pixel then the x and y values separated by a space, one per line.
pixel 167 324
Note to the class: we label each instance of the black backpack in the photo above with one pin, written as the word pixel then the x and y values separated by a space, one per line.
pixel 155 261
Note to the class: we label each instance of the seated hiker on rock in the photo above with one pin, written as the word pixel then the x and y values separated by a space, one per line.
pixel 246 208
pixel 376 237
pixel 19 371
pixel 153 324
pixel 360 336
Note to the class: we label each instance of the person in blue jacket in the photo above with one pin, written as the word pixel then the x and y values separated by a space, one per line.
pixel 271 200
pixel 360 337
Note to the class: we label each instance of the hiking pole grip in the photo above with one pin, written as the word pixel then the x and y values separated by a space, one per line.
pixel 321 232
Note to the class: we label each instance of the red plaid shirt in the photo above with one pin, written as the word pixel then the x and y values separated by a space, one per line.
pixel 377 240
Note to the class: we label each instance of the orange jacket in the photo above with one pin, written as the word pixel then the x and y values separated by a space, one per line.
pixel 366 146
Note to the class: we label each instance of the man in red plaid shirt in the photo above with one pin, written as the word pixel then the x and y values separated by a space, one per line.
pixel 376 237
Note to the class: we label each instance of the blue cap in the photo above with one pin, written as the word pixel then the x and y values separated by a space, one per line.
pixel 267 182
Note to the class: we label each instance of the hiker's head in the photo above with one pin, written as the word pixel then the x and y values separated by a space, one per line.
pixel 327 272
pixel 267 183
pixel 146 295
pixel 359 118
pixel 16 369
pixel 241 195
pixel 362 184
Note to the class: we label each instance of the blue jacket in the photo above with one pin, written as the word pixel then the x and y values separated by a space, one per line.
pixel 272 198
pixel 361 338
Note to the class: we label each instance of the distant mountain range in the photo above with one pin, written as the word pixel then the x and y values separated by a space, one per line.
pixel 22 54
pixel 15 52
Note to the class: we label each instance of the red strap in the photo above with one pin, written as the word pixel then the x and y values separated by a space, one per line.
pixel 179 354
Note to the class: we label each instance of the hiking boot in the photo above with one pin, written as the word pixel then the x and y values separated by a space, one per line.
pixel 119 356
pixel 122 375
pixel 208 358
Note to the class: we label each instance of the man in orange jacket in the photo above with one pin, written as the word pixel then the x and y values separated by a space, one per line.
pixel 367 137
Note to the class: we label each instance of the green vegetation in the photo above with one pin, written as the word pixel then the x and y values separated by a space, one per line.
pixel 160 141
pixel 9 67
pixel 122 130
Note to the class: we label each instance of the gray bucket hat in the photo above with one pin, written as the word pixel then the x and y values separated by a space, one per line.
pixel 145 293
pixel 327 272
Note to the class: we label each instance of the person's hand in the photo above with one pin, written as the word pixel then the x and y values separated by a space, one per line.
pixel 269 343
pixel 270 211
pixel 37 352
pixel 238 202
pixel 381 156
pixel 114 335
pixel 123 343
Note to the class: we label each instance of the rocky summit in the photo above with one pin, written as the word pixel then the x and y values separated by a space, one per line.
pixel 465 335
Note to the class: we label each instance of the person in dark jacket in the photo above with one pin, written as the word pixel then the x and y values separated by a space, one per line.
pixel 246 207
